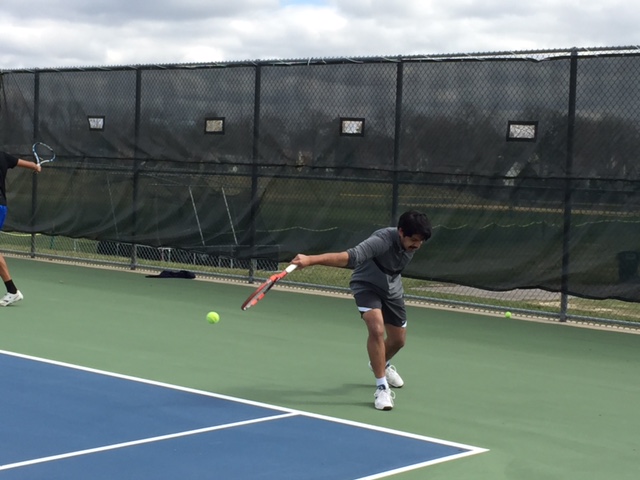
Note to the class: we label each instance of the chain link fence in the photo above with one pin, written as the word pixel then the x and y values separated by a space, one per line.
pixel 525 163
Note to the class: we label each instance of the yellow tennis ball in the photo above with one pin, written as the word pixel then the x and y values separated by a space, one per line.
pixel 507 314
pixel 213 317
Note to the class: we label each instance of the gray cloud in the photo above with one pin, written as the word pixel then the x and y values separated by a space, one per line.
pixel 106 12
pixel 64 33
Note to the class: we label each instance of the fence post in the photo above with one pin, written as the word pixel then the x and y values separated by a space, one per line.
pixel 396 144
pixel 136 168
pixel 255 197
pixel 34 178
pixel 568 186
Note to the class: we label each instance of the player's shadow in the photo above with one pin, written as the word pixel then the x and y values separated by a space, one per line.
pixel 354 394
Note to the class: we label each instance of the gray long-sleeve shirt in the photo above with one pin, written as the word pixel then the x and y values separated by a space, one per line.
pixel 379 261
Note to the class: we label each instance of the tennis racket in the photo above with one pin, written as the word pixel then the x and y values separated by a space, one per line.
pixel 43 153
pixel 262 290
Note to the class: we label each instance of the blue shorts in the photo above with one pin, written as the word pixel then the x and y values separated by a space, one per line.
pixel 3 214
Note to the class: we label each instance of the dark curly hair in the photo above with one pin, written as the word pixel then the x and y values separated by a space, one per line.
pixel 414 222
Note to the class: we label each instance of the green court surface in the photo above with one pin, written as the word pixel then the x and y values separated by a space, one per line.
pixel 549 401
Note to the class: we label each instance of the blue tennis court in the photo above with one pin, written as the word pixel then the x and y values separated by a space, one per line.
pixel 66 421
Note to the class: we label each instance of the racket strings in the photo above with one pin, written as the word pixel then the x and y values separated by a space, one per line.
pixel 43 152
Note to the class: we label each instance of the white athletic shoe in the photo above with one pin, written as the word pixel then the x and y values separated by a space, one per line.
pixel 383 398
pixel 10 298
pixel 393 377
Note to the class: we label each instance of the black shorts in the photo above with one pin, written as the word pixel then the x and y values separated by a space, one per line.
pixel 393 309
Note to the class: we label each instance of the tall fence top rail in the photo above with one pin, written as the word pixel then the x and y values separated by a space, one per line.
pixel 523 55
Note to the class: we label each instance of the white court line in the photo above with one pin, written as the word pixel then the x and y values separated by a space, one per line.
pixel 416 466
pixel 288 412
pixel 143 441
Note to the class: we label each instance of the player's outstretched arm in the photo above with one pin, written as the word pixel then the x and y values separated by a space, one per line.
pixel 30 165
pixel 338 259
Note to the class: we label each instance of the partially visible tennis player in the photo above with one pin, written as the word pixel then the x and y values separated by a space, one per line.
pixel 7 161
pixel 376 284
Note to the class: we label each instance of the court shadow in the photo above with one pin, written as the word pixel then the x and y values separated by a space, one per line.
pixel 351 394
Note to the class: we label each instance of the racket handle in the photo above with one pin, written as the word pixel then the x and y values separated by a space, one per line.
pixel 290 268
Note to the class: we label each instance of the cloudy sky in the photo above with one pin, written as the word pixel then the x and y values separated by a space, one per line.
pixel 72 33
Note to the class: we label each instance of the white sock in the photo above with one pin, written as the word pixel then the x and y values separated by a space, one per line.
pixel 382 382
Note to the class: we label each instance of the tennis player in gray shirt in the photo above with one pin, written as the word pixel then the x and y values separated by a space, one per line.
pixel 376 284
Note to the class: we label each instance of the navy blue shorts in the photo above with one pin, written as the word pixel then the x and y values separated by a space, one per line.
pixel 3 214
